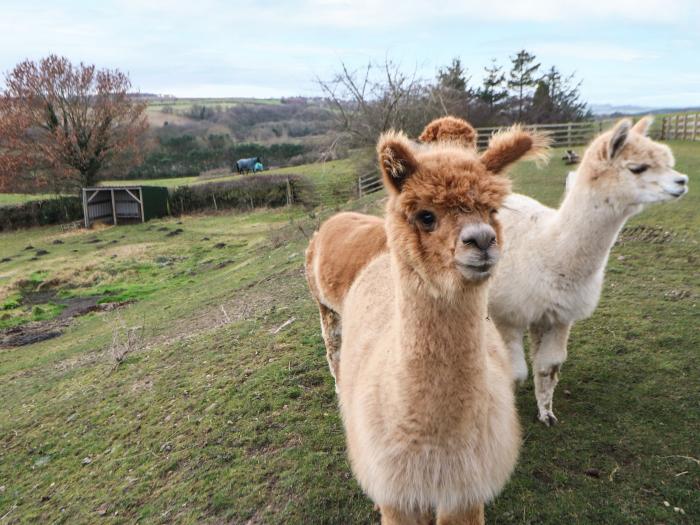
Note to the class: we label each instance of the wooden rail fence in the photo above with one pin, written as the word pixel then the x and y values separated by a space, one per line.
pixel 681 126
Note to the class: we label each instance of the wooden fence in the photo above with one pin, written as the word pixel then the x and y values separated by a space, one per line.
pixel 368 183
pixel 681 126
pixel 563 135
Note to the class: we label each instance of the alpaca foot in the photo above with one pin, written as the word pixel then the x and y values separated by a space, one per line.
pixel 547 417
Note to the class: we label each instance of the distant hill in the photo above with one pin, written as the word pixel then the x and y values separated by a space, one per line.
pixel 601 110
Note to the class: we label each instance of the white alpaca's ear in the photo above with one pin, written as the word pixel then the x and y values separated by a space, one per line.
pixel 396 160
pixel 619 136
pixel 643 124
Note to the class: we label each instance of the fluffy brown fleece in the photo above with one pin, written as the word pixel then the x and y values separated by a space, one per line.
pixel 347 242
pixel 424 382
pixel 449 129
pixel 355 239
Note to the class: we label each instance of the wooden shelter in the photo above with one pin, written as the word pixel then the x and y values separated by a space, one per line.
pixel 124 204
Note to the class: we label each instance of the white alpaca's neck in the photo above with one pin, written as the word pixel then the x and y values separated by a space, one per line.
pixel 585 228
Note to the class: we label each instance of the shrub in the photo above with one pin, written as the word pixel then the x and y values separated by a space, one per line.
pixel 243 194
pixel 40 213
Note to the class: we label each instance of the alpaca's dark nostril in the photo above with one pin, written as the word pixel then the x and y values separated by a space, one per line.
pixel 681 181
pixel 482 240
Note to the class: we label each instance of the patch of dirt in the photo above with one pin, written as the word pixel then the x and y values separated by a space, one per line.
pixel 142 385
pixel 646 233
pixel 678 295
pixel 178 231
pixel 36 331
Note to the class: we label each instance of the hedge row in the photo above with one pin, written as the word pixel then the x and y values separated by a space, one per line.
pixel 40 213
pixel 186 157
pixel 255 191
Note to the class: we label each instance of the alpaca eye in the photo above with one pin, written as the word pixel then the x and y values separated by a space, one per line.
pixel 637 169
pixel 427 220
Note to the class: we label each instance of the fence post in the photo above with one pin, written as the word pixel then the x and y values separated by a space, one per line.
pixel 663 128
pixel 695 126
pixel 359 187
pixel 290 197
pixel 675 129
pixel 568 135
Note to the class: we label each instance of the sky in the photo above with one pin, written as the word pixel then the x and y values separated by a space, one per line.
pixel 637 52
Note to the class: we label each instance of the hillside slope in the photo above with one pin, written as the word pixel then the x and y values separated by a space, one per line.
pixel 224 412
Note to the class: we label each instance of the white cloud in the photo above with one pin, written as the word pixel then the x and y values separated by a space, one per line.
pixel 590 51
pixel 392 14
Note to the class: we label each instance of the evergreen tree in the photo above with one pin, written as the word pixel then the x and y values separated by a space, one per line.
pixel 453 77
pixel 493 92
pixel 542 103
pixel 452 90
pixel 522 77
pixel 566 104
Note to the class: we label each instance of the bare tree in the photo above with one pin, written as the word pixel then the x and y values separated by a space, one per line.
pixel 375 99
pixel 62 124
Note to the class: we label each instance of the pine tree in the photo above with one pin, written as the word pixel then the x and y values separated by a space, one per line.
pixel 453 76
pixel 493 91
pixel 523 75
pixel 566 104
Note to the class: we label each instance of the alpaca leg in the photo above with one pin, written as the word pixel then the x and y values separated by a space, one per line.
pixel 548 355
pixel 330 329
pixel 513 339
pixel 472 516
pixel 393 516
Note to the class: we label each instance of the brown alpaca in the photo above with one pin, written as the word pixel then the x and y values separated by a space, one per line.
pixel 348 241
pixel 415 333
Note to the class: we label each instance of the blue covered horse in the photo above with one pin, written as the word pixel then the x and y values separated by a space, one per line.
pixel 247 165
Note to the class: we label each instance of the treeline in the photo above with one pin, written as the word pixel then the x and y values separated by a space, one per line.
pixel 294 118
pixel 383 96
pixel 188 156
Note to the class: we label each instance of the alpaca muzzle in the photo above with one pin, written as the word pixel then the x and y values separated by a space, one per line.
pixel 477 251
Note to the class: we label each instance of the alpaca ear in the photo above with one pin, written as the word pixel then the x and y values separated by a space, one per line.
pixel 449 129
pixel 643 124
pixel 619 136
pixel 514 144
pixel 396 160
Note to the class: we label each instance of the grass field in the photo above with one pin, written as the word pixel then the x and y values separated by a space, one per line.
pixel 8 199
pixel 317 171
pixel 224 411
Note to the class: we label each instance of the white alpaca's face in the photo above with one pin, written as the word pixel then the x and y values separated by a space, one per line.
pixel 649 176
pixel 630 170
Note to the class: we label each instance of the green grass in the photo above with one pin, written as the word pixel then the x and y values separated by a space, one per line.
pixel 320 171
pixel 9 199
pixel 215 418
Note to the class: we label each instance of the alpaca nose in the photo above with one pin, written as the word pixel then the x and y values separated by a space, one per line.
pixel 481 236
pixel 681 181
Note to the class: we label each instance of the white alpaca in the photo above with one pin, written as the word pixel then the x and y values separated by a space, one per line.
pixel 551 273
